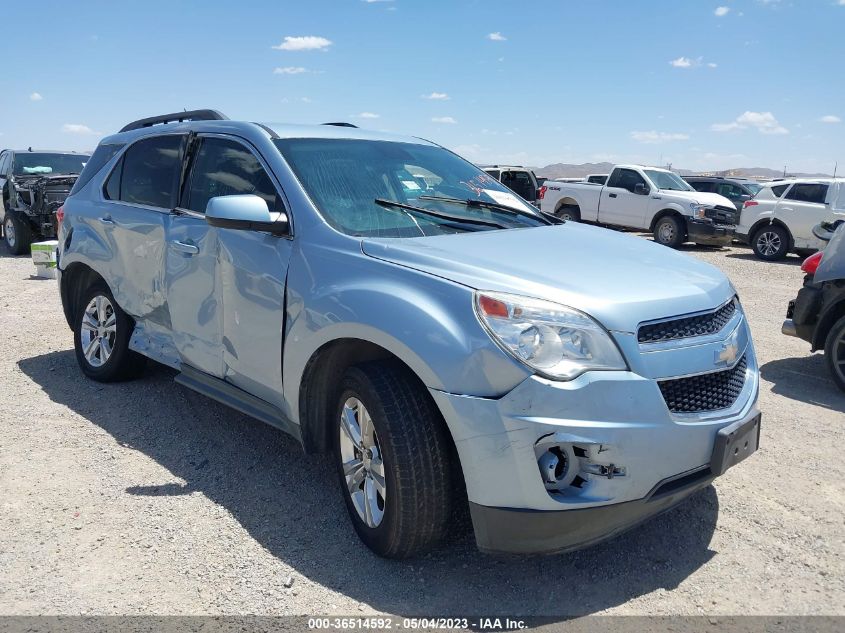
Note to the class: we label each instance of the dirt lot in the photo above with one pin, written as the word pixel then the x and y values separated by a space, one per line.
pixel 144 497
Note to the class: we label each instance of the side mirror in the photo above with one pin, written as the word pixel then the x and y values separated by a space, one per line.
pixel 641 190
pixel 246 212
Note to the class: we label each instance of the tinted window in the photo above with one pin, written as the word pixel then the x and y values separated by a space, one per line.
pixel 150 172
pixel 112 189
pixel 778 190
pixel 701 185
pixel 599 180
pixel 520 182
pixel 227 168
pixel 4 163
pixel 100 157
pixel 493 172
pixel 729 190
pixel 626 179
pixel 808 193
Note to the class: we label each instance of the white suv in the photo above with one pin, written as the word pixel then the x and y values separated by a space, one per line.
pixel 781 217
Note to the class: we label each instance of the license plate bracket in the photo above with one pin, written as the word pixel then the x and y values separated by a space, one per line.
pixel 734 443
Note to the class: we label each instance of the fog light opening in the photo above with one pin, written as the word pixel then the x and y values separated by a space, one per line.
pixel 554 465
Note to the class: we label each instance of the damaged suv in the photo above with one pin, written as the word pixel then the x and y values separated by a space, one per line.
pixel 34 185
pixel 385 301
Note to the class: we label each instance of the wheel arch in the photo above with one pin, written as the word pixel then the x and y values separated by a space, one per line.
pixel 662 214
pixel 567 201
pixel 829 317
pixel 76 278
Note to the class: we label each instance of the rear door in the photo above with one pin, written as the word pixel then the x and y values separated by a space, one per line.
pixel 802 208
pixel 619 204
pixel 226 287
pixel 140 194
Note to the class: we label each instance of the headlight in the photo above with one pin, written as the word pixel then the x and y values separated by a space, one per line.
pixel 555 341
pixel 698 210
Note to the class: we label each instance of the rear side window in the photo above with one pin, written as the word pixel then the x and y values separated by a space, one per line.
pixel 226 168
pixel 703 186
pixel 4 163
pixel 808 193
pixel 100 157
pixel 149 173
pixel 778 190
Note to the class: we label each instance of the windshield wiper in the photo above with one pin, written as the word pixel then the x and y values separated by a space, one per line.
pixel 545 218
pixel 387 204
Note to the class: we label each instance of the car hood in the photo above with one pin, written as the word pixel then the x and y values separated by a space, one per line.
pixel 699 197
pixel 619 279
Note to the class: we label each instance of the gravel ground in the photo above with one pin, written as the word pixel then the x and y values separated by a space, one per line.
pixel 146 498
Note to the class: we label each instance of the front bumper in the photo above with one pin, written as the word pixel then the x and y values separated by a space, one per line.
pixel 702 232
pixel 624 442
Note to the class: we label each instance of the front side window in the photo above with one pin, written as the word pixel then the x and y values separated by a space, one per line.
pixel 344 177
pixel 815 193
pixel 148 173
pixel 225 168
pixel 702 185
pixel 729 190
pixel 35 163
pixel 626 179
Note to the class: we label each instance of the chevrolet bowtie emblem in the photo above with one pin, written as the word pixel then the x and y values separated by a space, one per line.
pixel 727 354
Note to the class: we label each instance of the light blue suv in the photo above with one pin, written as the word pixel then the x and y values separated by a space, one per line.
pixel 381 299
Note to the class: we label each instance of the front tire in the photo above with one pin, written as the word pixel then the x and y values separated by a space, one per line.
pixel 17 234
pixel 392 456
pixel 770 243
pixel 669 231
pixel 834 352
pixel 101 336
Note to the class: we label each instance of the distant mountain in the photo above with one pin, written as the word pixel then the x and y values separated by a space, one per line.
pixel 566 170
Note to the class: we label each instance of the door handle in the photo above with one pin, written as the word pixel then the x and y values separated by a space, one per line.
pixel 184 247
pixel 611 195
pixel 106 219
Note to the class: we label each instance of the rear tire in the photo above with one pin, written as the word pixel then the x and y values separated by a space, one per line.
pixel 770 243
pixel 393 460
pixel 834 352
pixel 101 333
pixel 569 213
pixel 669 231
pixel 17 234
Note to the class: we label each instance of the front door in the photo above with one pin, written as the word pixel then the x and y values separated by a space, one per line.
pixel 619 204
pixel 229 295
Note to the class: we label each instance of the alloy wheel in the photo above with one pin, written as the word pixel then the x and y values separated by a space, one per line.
pixel 768 243
pixel 363 467
pixel 98 330
pixel 11 234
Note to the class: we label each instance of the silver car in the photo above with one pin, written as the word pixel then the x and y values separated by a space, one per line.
pixel 383 300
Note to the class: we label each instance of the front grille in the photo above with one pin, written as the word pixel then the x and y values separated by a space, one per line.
pixel 707 392
pixel 687 327
pixel 722 215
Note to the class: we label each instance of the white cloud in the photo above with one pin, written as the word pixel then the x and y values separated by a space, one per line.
pixel 721 11
pixel 77 128
pixel 496 37
pixel 711 65
pixel 436 96
pixel 290 70
pixel 763 122
pixel 367 115
pixel 832 118
pixel 35 96
pixel 443 119
pixel 682 62
pixel 304 43
pixel 654 137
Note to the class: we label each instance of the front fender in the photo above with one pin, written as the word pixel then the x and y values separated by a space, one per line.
pixel 427 322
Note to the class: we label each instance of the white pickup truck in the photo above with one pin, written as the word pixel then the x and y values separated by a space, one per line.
pixel 646 198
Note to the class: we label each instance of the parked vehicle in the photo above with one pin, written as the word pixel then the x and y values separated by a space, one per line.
pixel 737 190
pixel 781 217
pixel 34 185
pixel 646 198
pixel 597 179
pixel 517 178
pixel 817 315
pixel 305 276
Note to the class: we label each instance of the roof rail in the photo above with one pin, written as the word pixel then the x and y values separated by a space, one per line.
pixel 191 115
pixel 340 124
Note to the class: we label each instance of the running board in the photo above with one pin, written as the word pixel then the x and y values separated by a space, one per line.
pixel 237 399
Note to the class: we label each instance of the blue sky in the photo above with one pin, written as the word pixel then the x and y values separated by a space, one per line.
pixel 705 85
